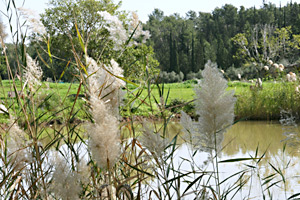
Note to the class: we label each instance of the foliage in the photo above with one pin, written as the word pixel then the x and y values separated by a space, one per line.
pixel 3 70
pixel 176 105
pixel 171 77
pixel 228 35
pixel 233 73
pixel 2 58
pixel 92 21
pixel 134 59
pixel 193 75
pixel 267 103
pixel 266 44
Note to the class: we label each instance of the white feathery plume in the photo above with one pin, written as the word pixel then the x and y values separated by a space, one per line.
pixel 135 25
pixel 17 145
pixel 104 140
pixel 34 20
pixel 33 73
pixel 65 182
pixel 118 33
pixel 215 106
pixel 96 77
pixel 115 27
pixel 139 32
pixel 153 141
pixel 104 90
pixel 104 85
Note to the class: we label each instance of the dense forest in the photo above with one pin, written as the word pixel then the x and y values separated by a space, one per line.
pixel 232 37
pixel 241 41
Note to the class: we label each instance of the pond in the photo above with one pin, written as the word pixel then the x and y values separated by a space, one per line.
pixel 242 141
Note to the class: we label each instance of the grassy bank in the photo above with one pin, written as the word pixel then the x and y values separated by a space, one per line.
pixel 53 100
pixel 252 103
pixel 268 102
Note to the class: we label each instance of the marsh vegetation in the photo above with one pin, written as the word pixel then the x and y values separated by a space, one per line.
pixel 109 132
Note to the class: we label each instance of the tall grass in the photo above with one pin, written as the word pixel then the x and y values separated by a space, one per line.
pixel 43 159
pixel 267 103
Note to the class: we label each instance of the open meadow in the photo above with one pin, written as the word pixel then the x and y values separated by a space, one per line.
pixel 264 103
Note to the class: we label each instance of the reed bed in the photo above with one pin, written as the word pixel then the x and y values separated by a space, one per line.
pixel 94 159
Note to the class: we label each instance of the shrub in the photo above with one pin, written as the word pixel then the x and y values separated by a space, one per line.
pixel 232 73
pixel 193 75
pixel 176 105
pixel 171 77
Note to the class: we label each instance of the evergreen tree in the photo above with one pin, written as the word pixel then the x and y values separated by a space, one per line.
pixel 195 39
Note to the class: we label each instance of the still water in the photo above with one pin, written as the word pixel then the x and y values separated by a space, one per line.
pixel 242 141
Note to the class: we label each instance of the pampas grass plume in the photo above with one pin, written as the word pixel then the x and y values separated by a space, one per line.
pixel 214 105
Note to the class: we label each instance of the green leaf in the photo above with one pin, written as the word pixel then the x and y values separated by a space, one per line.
pixel 119 77
pixel 127 42
pixel 294 195
pixel 80 39
pixel 236 160
pixel 63 72
pixel 137 169
pixel 192 183
pixel 272 185
pixel 177 177
pixel 49 52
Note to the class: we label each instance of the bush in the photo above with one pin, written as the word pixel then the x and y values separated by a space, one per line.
pixel 193 75
pixel 176 105
pixel 190 81
pixel 232 73
pixel 171 77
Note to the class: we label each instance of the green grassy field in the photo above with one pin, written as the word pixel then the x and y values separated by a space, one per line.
pixel 51 99
pixel 61 89
pixel 256 103
pixel 264 103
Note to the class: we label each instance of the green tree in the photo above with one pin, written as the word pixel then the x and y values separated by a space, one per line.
pixel 267 43
pixel 64 20
pixel 164 38
pixel 3 71
pixel 200 37
pixel 143 57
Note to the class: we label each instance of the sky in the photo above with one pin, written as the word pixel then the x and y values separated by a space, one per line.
pixel 169 7
pixel 146 7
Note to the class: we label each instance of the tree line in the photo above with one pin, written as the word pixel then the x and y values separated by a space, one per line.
pixel 232 37
pixel 70 30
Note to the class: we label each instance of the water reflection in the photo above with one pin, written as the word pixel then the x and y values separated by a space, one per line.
pixel 248 135
pixel 241 141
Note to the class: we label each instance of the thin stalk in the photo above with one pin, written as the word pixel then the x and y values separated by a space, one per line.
pixel 35 139
pixel 15 86
pixel 162 168
pixel 110 185
pixel 259 178
pixel 216 158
